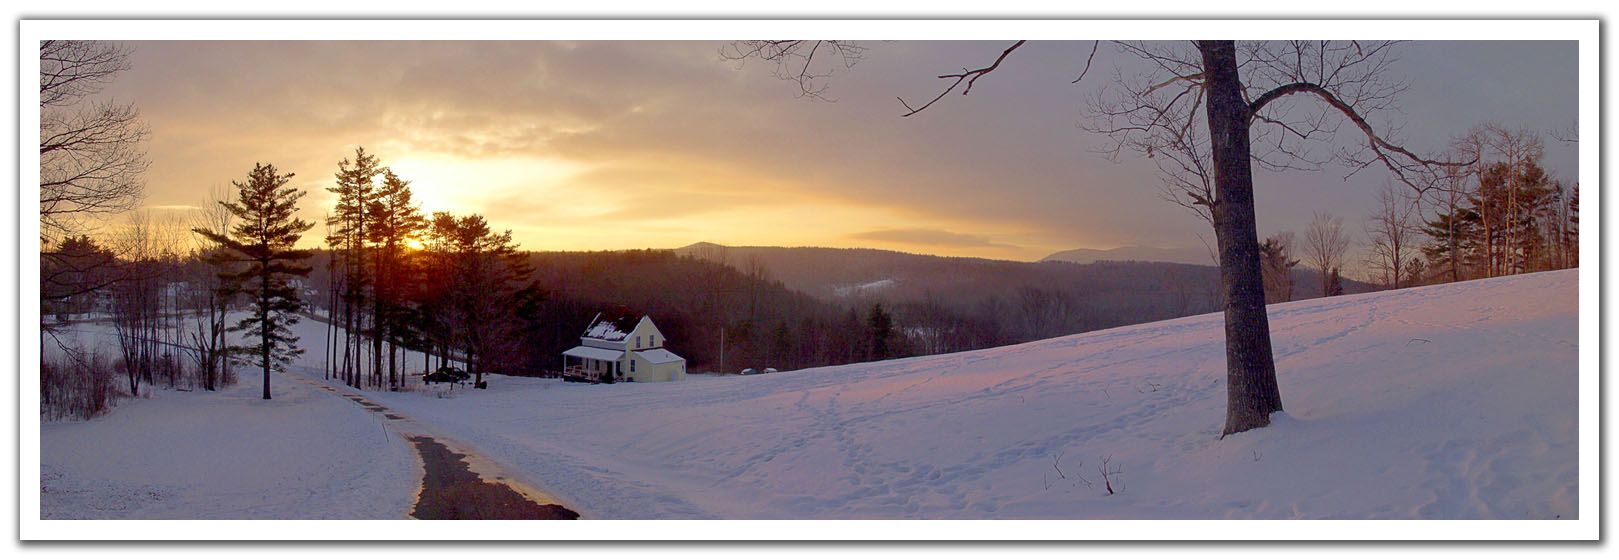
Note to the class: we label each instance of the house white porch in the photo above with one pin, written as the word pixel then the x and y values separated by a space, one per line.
pixel 592 363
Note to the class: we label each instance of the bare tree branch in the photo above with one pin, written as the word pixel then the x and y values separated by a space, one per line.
pixel 72 70
pixel 91 160
pixel 1094 46
pixel 802 62
pixel 970 76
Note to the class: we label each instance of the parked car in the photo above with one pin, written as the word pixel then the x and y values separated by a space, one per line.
pixel 770 370
pixel 447 374
pixel 749 371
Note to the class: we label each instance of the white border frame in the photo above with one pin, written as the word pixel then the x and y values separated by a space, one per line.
pixel 31 527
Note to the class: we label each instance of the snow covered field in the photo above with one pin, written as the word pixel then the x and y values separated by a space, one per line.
pixel 306 454
pixel 1453 401
pixel 1448 402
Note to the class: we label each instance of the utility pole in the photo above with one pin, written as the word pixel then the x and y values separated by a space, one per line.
pixel 722 350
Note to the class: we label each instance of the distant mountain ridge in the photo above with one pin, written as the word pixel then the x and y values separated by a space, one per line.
pixel 1198 256
pixel 1121 285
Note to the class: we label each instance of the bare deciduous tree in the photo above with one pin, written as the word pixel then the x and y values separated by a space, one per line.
pixel 1274 104
pixel 1391 233
pixel 91 162
pixel 1519 149
pixel 1206 112
pixel 136 299
pixel 214 291
pixel 1325 243
pixel 804 63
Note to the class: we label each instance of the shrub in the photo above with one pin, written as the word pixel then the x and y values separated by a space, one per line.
pixel 79 385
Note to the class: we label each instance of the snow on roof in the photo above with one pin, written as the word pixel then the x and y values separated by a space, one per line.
pixel 605 328
pixel 659 356
pixel 594 353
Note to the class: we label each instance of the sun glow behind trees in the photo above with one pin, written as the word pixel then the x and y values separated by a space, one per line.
pixel 559 204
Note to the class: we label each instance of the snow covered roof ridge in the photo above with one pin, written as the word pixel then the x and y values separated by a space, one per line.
pixel 610 328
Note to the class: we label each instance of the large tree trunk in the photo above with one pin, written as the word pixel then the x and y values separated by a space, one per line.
pixel 264 328
pixel 350 365
pixel 393 382
pixel 1251 391
pixel 377 333
pixel 1455 250
pixel 331 315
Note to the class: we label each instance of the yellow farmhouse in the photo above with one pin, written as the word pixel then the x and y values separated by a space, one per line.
pixel 623 349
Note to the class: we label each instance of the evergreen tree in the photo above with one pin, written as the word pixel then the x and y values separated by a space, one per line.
pixel 1416 272
pixel 882 329
pixel 848 338
pixel 1513 205
pixel 1534 203
pixel 393 220
pixel 1335 283
pixel 476 280
pixel 355 190
pixel 263 241
pixel 1467 230
pixel 781 347
pixel 1573 230
pixel 1276 264
pixel 76 271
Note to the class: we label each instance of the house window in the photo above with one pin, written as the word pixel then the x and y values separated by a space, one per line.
pixel 632 365
pixel 637 343
pixel 654 341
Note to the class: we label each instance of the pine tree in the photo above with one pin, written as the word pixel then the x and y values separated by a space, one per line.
pixel 1514 203
pixel 393 220
pixel 472 289
pixel 1276 264
pixel 355 190
pixel 1573 230
pixel 1460 233
pixel 781 348
pixel 77 270
pixel 882 329
pixel 263 241
pixel 1335 283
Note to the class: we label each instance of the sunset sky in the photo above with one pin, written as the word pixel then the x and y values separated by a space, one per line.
pixel 618 145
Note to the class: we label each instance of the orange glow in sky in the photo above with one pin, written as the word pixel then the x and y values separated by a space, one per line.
pixel 602 145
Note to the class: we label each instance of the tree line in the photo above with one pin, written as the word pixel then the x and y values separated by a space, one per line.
pixel 191 300
pixel 445 286
pixel 1503 213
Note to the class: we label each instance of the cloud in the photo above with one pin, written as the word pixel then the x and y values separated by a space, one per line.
pixel 665 132
pixel 929 238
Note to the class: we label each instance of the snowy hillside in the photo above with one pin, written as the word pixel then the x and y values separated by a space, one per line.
pixel 1453 401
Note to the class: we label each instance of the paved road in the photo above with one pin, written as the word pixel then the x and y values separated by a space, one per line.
pixel 451 487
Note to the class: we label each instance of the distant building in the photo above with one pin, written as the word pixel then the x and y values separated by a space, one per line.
pixel 623 349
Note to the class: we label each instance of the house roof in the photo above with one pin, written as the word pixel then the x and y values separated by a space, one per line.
pixel 594 353
pixel 611 327
pixel 659 356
